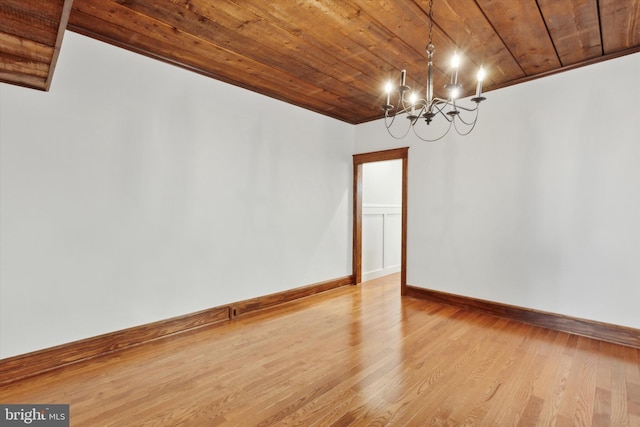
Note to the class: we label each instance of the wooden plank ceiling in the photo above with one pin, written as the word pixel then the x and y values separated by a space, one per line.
pixel 334 56
pixel 30 38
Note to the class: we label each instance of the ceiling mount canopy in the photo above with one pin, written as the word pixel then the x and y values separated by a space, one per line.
pixel 421 112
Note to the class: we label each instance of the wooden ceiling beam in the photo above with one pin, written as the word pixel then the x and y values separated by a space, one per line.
pixel 30 40
pixel 62 26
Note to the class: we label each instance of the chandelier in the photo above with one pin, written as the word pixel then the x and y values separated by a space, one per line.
pixel 426 110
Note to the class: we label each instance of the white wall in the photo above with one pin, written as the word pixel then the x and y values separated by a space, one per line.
pixel 382 183
pixel 135 191
pixel 540 206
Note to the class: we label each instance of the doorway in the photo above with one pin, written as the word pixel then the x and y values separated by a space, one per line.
pixel 381 218
pixel 358 173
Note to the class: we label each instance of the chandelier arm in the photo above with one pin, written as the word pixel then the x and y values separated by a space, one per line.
pixel 399 136
pixel 473 125
pixel 386 119
pixel 453 104
pixel 441 102
pixel 415 132
pixel 388 126
pixel 467 109
pixel 442 113
pixel 405 110
pixel 401 109
pixel 464 133
pixel 475 119
pixel 406 106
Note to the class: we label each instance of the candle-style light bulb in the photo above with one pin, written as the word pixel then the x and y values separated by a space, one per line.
pixel 413 98
pixel 455 63
pixel 388 88
pixel 481 75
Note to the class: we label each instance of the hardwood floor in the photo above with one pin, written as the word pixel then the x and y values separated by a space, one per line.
pixel 357 355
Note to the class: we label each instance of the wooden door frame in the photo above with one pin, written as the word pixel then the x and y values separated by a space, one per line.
pixel 358 161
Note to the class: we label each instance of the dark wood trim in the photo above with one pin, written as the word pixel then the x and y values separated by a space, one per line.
pixel 580 64
pixel 23 80
pixel 37 362
pixel 587 328
pixel 357 222
pixel 381 156
pixel 259 303
pixel 405 197
pixel 358 161
pixel 62 26
pixel 31 364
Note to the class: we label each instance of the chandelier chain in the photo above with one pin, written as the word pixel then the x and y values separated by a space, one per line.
pixel 430 21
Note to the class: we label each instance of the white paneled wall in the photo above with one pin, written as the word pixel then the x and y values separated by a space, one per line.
pixel 381 240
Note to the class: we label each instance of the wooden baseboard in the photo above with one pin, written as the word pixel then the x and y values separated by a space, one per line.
pixel 266 301
pixel 37 362
pixel 41 361
pixel 587 328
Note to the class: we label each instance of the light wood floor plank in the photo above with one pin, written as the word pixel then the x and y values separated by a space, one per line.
pixel 357 355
